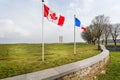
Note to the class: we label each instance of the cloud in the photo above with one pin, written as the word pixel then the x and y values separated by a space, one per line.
pixel 81 7
pixel 116 8
pixel 20 21
pixel 8 27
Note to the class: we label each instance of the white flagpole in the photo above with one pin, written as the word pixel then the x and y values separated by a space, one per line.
pixel 74 37
pixel 42 30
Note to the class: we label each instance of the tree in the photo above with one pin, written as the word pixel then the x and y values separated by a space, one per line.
pixel 89 35
pixel 99 26
pixel 98 23
pixel 93 33
pixel 106 32
pixel 115 32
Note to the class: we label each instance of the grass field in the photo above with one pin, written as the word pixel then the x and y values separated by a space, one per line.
pixel 113 69
pixel 16 59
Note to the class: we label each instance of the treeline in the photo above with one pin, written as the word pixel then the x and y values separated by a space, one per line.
pixel 100 30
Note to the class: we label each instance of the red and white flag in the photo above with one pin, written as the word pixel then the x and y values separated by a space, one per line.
pixel 52 16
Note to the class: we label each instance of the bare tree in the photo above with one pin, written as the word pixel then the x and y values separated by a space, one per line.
pixel 96 30
pixel 115 32
pixel 89 35
pixel 106 32
pixel 99 22
pixel 93 33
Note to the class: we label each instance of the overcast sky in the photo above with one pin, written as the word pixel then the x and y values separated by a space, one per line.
pixel 20 20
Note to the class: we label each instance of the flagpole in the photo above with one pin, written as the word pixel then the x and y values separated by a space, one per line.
pixel 74 36
pixel 42 30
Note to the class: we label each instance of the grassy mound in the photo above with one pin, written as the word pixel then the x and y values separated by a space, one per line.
pixel 16 59
pixel 113 69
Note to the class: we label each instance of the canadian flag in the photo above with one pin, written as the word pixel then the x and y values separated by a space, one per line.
pixel 52 16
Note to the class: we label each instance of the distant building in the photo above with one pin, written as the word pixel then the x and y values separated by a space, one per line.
pixel 60 39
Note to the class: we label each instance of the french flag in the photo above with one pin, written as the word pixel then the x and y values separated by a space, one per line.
pixel 78 24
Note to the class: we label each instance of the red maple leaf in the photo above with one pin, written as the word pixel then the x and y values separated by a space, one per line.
pixel 53 16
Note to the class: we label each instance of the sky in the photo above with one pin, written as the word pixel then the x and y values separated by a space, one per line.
pixel 20 20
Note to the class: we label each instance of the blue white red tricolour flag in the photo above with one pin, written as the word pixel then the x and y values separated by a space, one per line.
pixel 78 24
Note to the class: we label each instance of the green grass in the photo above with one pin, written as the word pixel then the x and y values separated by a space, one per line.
pixel 16 59
pixel 113 69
